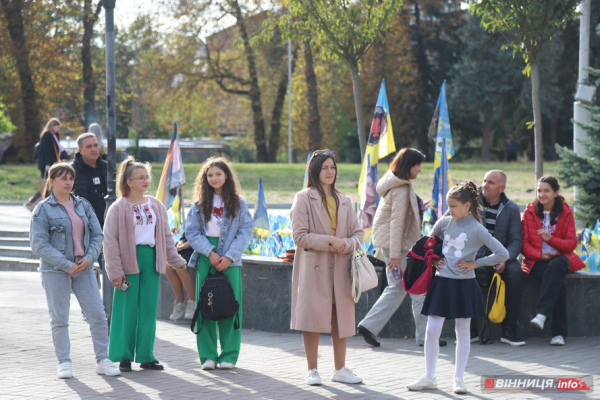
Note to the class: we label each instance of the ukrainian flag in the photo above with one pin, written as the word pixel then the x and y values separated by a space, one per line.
pixel 380 144
pixel 261 217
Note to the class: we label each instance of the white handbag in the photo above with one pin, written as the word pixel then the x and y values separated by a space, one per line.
pixel 362 272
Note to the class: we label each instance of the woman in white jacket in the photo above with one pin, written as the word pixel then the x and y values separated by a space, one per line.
pixel 396 227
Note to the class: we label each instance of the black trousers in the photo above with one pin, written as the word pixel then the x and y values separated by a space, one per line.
pixel 513 277
pixel 553 293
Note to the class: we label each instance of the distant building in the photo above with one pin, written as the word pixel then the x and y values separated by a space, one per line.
pixel 193 150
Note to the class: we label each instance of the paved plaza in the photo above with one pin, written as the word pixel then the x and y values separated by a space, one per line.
pixel 271 366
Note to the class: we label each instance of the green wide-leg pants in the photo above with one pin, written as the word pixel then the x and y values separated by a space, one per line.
pixel 229 338
pixel 133 321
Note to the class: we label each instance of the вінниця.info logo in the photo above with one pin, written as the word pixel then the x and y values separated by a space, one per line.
pixel 528 382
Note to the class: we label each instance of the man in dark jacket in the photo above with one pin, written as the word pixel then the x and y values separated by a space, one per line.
pixel 502 218
pixel 91 184
pixel 90 180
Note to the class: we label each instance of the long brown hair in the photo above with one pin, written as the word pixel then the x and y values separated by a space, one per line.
pixel 314 170
pixel 57 170
pixel 52 122
pixel 204 193
pixel 126 170
pixel 466 192
pixel 404 161
pixel 558 201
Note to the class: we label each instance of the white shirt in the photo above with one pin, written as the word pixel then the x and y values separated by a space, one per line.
pixel 546 248
pixel 144 224
pixel 213 226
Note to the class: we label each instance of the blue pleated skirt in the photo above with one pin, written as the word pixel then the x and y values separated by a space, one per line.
pixel 454 298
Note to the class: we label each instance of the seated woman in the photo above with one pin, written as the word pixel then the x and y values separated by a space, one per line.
pixel 549 239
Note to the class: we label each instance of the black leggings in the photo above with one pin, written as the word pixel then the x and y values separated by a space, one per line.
pixel 553 293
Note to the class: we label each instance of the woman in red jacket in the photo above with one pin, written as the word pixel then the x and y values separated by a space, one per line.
pixel 549 239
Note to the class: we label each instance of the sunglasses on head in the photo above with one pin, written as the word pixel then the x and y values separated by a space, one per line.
pixel 322 153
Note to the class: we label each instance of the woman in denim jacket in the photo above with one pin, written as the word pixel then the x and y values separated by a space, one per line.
pixel 218 228
pixel 66 235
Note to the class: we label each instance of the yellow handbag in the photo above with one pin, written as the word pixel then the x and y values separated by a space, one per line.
pixel 496 310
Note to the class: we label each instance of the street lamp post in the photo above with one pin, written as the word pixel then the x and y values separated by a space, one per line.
pixel 111 123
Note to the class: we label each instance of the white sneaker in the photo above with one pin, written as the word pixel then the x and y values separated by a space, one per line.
pixel 178 311
pixel 313 377
pixel 106 367
pixel 190 307
pixel 64 370
pixel 459 386
pixel 208 364
pixel 422 384
pixel 226 365
pixel 538 321
pixel 557 341
pixel 345 375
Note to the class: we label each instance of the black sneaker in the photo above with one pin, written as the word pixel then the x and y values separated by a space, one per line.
pixel 125 366
pixel 509 336
pixel 369 337
pixel 152 365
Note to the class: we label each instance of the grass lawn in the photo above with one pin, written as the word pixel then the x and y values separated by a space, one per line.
pixel 282 181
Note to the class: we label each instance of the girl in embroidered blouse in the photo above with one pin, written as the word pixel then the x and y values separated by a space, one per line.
pixel 138 246
pixel 218 228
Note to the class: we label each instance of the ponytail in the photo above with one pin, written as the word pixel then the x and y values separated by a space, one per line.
pixel 466 192
pixel 125 172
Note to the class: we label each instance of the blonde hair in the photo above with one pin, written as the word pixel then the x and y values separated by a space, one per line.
pixel 57 170
pixel 52 122
pixel 126 170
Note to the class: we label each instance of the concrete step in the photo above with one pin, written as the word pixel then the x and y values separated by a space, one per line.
pixel 18 264
pixel 14 241
pixel 16 251
pixel 14 233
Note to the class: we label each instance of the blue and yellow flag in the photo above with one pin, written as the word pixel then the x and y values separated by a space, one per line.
pixel 261 217
pixel 169 190
pixel 440 130
pixel 442 177
pixel 380 144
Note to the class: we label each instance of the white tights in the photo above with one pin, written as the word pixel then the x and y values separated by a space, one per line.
pixel 432 344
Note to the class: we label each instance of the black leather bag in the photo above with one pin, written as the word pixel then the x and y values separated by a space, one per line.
pixel 217 301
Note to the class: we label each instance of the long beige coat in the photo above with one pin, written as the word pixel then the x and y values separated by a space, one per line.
pixel 319 275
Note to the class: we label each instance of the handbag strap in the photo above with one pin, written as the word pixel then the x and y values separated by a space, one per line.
pixel 358 245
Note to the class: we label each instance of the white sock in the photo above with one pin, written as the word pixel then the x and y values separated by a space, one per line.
pixel 463 345
pixel 432 344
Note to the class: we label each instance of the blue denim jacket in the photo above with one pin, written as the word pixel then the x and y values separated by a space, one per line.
pixel 51 238
pixel 233 240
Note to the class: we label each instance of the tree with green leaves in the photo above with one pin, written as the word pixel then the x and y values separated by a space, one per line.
pixel 583 171
pixel 482 83
pixel 529 25
pixel 6 125
pixel 343 30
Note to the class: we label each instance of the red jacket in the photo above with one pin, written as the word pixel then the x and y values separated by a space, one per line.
pixel 564 238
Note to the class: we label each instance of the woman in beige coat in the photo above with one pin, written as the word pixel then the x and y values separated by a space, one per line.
pixel 323 224
pixel 396 227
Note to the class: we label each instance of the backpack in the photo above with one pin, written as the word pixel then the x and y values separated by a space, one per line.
pixel 419 271
pixel 217 301
pixel 495 309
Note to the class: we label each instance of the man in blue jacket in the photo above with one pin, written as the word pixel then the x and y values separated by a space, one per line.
pixel 502 218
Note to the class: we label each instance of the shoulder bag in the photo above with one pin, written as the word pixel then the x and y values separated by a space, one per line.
pixel 362 272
